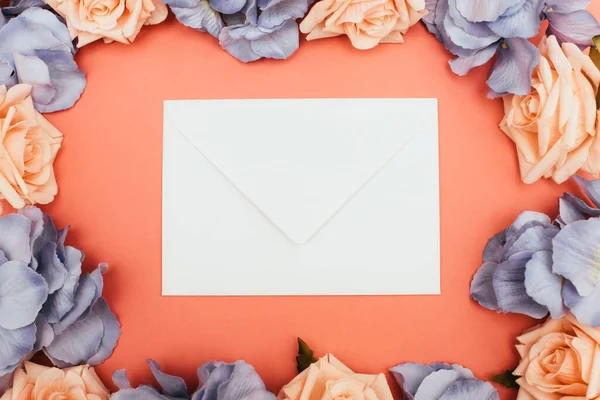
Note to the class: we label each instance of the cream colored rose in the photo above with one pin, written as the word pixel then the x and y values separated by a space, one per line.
pixel 559 359
pixel 329 379
pixel 366 22
pixel 30 144
pixel 111 20
pixel 555 127
pixel 36 382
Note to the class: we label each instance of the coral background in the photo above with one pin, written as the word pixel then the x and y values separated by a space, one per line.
pixel 109 174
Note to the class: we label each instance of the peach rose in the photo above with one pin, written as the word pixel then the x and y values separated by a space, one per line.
pixel 29 144
pixel 329 379
pixel 36 382
pixel 111 20
pixel 555 127
pixel 366 22
pixel 559 360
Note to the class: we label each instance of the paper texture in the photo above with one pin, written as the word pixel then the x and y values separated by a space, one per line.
pixel 301 197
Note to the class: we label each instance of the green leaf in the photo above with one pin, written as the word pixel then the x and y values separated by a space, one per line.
pixel 595 56
pixel 596 40
pixel 507 379
pixel 305 356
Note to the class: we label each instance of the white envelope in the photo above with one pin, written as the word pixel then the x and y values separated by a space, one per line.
pixel 300 197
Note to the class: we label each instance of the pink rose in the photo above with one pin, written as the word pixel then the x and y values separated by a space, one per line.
pixel 30 145
pixel 329 379
pixel 36 382
pixel 555 127
pixel 559 360
pixel 111 20
pixel 366 22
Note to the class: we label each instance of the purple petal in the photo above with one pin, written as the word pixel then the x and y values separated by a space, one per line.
pixel 170 385
pixel 470 389
pixel 458 36
pixel 63 300
pixel 581 206
pixel 6 381
pixel 523 24
pixel 112 332
pixel 200 17
pixel 236 381
pixel 50 267
pixel 79 342
pixel 33 71
pixel 591 188
pixel 435 384
pixel 578 27
pixel 184 3
pixel 236 41
pixel 22 294
pixel 509 285
pixel 484 10
pixel 43 231
pixel 567 6
pixel 512 70
pixel 120 379
pixel 14 237
pixel 482 286
pixel 15 344
pixel 51 23
pixel 227 6
pixel 8 75
pixel 576 254
pixel 88 292
pixel 410 376
pixel 276 13
pixel 280 44
pixel 543 285
pixel 568 212
pixel 531 240
pixel 462 65
pixel 16 7
pixel 430 6
pixel 66 78
pixel 44 334
pixel 139 393
pixel 585 309
pixel 493 248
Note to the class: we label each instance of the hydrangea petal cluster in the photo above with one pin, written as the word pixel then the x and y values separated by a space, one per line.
pixel 36 49
pixel 535 266
pixel 246 29
pixel 218 381
pixel 440 381
pixel 46 303
pixel 477 30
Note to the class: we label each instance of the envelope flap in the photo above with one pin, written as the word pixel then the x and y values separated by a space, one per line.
pixel 299 161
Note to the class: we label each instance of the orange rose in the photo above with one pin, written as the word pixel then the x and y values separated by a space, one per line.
pixel 366 22
pixel 555 127
pixel 36 382
pixel 30 144
pixel 111 20
pixel 329 379
pixel 559 359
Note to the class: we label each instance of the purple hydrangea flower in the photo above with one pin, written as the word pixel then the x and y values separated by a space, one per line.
pixel 46 302
pixel 535 266
pixel 440 381
pixel 218 381
pixel 36 48
pixel 477 30
pixel 246 29
pixel 16 7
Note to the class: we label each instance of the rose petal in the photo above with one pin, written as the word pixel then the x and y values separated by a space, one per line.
pixel 22 294
pixel 576 254
pixel 513 68
pixel 543 286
